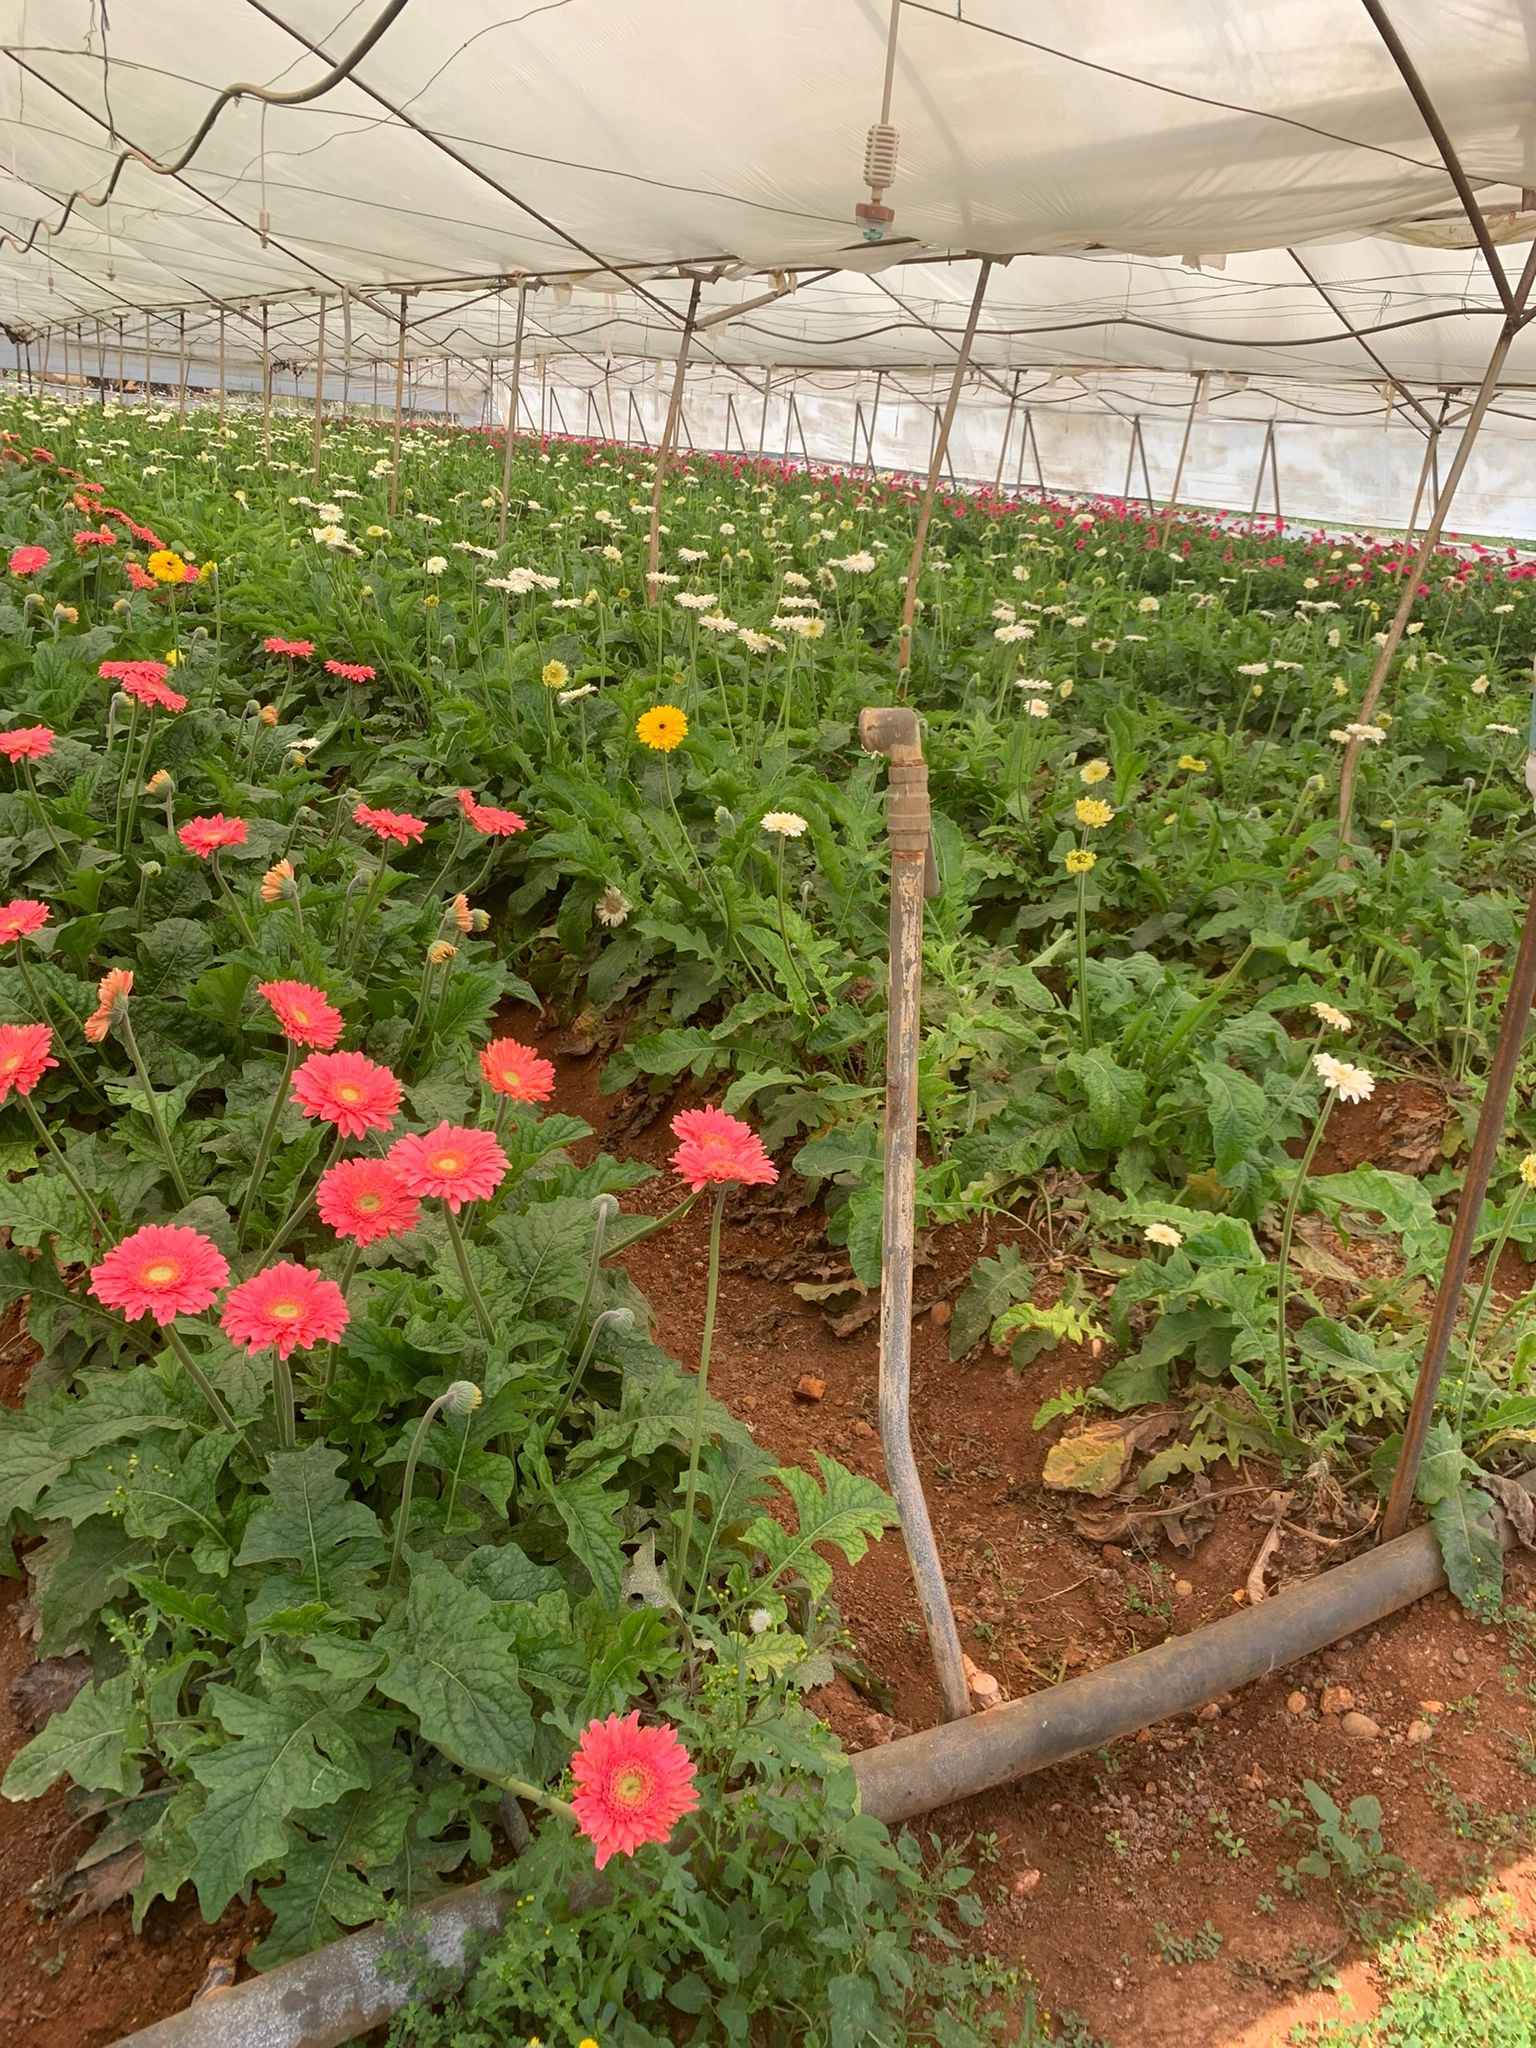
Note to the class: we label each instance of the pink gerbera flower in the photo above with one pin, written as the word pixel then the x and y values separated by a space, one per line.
pixel 138 577
pixel 23 1057
pixel 496 824
pixel 115 986
pixel 205 836
pixel 720 1148
pixel 286 1306
pixel 96 537
pixel 365 1199
pixel 397 825
pixel 517 1071
pixel 292 648
pixel 134 671
pixel 28 561
pixel 633 1784
pixel 459 1164
pixel 352 1092
pixel 27 742
pixel 303 1013
pixel 350 671
pixel 22 916
pixel 164 1270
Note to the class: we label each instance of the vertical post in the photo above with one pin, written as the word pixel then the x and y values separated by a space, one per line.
pixel 122 358
pixel 394 472
pixel 913 876
pixel 925 514
pixel 266 388
pixel 1002 453
pixel 1258 482
pixel 319 391
pixel 221 370
pixel 149 360
pixel 668 434
pixel 874 422
pixel 101 363
pixel 762 432
pixel 514 390
pixel 1178 467
pixel 181 368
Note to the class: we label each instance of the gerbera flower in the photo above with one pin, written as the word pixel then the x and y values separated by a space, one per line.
pixel 633 1784
pixel 517 1071
pixel 487 818
pixel 459 1164
pixel 350 671
pixel 292 648
pixel 125 672
pixel 19 918
pixel 1336 1020
pixel 346 1089
pixel 303 1013
pixel 554 675
pixel 28 561
pixel 23 1057
pixel 1349 1083
pixel 1080 861
pixel 96 537
pixel 27 742
pixel 164 1270
pixel 115 986
pixel 784 824
pixel 365 1199
pixel 205 836
pixel 150 692
pixel 286 1307
pixel 397 825
pixel 715 1147
pixel 278 882
pixel 137 577
pixel 166 566
pixel 1092 811
pixel 662 728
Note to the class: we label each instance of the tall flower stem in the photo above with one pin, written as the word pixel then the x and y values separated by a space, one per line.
pixel 300 1206
pixel 282 1402
pixel 1479 1307
pixel 264 1144
pixel 618 1318
pixel 69 1173
pixel 200 1379
pixel 333 1351
pixel 44 1018
pixel 136 781
pixel 461 1259
pixel 1084 1026
pixel 152 1103
pixel 370 902
pixel 449 864
pixel 408 1483
pixel 1282 1283
pixel 42 816
pixel 701 1392
pixel 229 897
pixel 124 771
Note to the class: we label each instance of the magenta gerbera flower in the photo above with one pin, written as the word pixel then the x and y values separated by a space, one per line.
pixel 205 836
pixel 27 742
pixel 303 1013
pixel 397 825
pixel 365 1199
pixel 633 1784
pixel 715 1147
pixel 23 1057
pixel 22 916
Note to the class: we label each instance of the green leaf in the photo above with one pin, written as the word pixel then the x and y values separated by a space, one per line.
pixel 454 1669
pixel 846 1511
pixel 1442 1466
pixel 313 1523
pixel 544 1253
pixel 45 1205
pixel 92 1741
pixel 322 1894
pixel 75 1574
pixel 993 1285
pixel 172 954
pixel 588 1508
pixel 1115 1097
pixel 283 1759
pixel 28 1462
pixel 1469 1547
pixel 1238 1112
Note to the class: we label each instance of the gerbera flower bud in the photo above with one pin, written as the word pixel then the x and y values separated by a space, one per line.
pixel 462 1398
pixel 269 714
pixel 441 951
pixel 161 783
pixel 463 916
pixel 480 920
pixel 277 882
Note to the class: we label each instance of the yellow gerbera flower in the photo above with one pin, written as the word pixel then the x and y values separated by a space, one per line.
pixel 554 675
pixel 663 727
pixel 1092 810
pixel 166 566
pixel 1094 771
pixel 1080 860
pixel 1192 764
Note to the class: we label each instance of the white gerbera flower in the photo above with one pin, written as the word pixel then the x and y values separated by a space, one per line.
pixel 1164 1234
pixel 859 564
pixel 787 824
pixel 612 907
pixel 434 565
pixel 696 600
pixel 1350 1084
pixel 1018 631
pixel 1334 1019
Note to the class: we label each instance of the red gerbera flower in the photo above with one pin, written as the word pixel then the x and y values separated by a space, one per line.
pixel 164 1270
pixel 138 577
pixel 115 985
pixel 487 818
pixel 28 561
pixel 96 537
pixel 22 916
pixel 126 672
pixel 286 1306
pixel 292 648
pixel 352 1092
pixel 350 671
pixel 156 693
pixel 633 1784
pixel 716 1147
pixel 26 742
pixel 303 1013
pixel 517 1070
pixel 23 1057
pixel 397 825
pixel 205 836
pixel 459 1164
pixel 365 1199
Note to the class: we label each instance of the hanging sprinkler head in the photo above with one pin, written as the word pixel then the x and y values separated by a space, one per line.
pixel 880 150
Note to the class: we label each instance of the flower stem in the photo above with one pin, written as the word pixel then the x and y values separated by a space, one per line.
pixel 701 1389
pixel 200 1379
pixel 282 1402
pixel 1511 1217
pixel 1085 1031
pixel 229 897
pixel 461 1257
pixel 300 1207
pixel 65 1168
pixel 264 1147
pixel 152 1102
pixel 42 816
pixel 407 1484
pixel 43 1017
pixel 1287 1228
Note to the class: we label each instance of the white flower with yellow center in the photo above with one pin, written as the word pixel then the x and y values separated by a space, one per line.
pixel 1350 1084
pixel 1334 1019
pixel 1163 1234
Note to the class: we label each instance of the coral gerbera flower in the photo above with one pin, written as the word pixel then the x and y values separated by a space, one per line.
pixel 365 1199
pixel 303 1013
pixel 28 561
pixel 27 742
pixel 115 986
pixel 633 1784
pixel 164 1270
pixel 205 836
pixel 347 1089
pixel 662 728
pixel 292 648
pixel 23 1057
pixel 22 916
pixel 286 1306
pixel 517 1071
pixel 487 818
pixel 149 691
pixel 350 671
pixel 96 537
pixel 136 671
pixel 460 1164
pixel 397 825
pixel 720 1148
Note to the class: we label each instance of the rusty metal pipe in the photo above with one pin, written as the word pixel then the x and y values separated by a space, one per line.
pixel 894 732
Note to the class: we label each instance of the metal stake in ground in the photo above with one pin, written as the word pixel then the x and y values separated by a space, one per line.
pixel 913 876
pixel 1485 1146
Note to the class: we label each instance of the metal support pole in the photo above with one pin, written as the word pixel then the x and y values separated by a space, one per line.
pixel 762 432
pixel 1258 482
pixel 1002 453
pixel 101 363
pixel 346 354
pixel 319 391
pixel 266 389
pixel 513 391
pixel 925 515
pixel 913 876
pixel 181 367
pixel 394 469
pixel 1178 467
pixel 1480 1161
pixel 222 386
pixel 668 435
pixel 149 361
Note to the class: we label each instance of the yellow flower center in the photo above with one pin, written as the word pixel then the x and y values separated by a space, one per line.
pixel 349 1092
pixel 10 1063
pixel 447 1162
pixel 286 1311
pixel 366 1204
pixel 632 1786
pixel 163 1274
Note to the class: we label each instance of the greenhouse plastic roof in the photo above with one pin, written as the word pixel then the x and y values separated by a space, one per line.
pixel 609 141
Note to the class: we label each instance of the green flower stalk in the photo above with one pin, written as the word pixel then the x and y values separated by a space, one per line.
pixel 1081 862
pixel 119 1016
pixel 1490 1270
pixel 264 1143
pixel 462 1399
pixel 701 1389
pixel 609 1319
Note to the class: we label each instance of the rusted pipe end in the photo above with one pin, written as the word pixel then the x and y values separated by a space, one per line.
pixel 890 729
